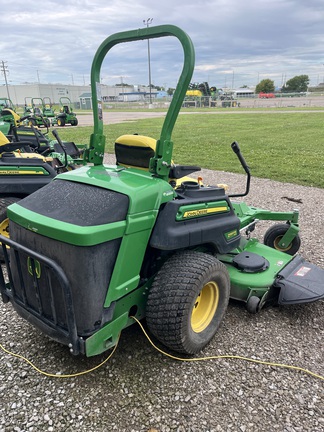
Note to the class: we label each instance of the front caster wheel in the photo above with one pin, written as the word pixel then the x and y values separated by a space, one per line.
pixel 187 301
pixel 275 233
pixel 253 305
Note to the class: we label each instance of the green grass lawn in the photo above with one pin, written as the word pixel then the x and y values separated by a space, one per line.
pixel 286 147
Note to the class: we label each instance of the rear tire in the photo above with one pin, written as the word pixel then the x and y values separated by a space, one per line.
pixel 61 122
pixel 187 301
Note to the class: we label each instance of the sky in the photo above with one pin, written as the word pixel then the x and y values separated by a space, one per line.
pixel 236 42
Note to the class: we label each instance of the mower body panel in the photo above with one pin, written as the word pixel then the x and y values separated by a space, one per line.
pixel 200 216
pixel 5 127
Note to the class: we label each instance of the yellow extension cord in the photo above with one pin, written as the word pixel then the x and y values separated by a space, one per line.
pixel 227 356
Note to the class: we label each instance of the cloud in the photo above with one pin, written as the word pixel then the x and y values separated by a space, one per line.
pixel 55 42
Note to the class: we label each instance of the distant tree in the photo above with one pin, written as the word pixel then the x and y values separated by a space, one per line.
pixel 265 86
pixel 158 88
pixel 170 91
pixel 298 83
pixel 244 86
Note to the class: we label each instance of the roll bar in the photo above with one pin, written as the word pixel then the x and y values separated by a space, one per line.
pixel 161 162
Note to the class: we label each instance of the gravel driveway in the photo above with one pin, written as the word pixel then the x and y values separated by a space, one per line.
pixel 139 389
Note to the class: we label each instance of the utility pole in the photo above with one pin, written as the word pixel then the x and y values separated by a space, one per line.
pixel 4 70
pixel 147 23
pixel 122 84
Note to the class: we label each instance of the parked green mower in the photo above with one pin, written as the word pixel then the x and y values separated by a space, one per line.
pixel 33 112
pixel 48 109
pixel 6 103
pixel 105 243
pixel 66 114
pixel 13 127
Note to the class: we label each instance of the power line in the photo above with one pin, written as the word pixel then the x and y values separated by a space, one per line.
pixel 147 23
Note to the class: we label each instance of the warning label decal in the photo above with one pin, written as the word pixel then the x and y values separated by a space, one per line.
pixel 302 271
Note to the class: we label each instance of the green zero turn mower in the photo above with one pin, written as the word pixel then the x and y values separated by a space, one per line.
pixel 66 114
pixel 33 112
pixel 105 243
pixel 14 128
pixel 6 103
pixel 48 109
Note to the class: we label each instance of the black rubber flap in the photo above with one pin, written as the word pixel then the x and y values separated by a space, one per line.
pixel 250 262
pixel 300 282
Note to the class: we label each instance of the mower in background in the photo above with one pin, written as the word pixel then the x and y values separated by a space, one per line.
pixel 33 113
pixel 48 109
pixel 14 128
pixel 7 103
pixel 66 114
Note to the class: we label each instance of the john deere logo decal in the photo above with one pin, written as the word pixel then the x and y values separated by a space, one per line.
pixel 229 235
pixel 203 212
pixel 37 267
pixel 198 210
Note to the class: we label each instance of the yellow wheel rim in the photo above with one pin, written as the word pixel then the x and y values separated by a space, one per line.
pixel 276 245
pixel 205 307
pixel 58 122
pixel 4 228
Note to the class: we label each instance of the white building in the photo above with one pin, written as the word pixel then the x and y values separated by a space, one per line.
pixel 244 92
pixel 21 93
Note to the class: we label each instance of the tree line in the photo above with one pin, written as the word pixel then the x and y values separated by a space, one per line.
pixel 298 83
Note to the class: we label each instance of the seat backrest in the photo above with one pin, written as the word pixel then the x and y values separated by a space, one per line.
pixel 134 151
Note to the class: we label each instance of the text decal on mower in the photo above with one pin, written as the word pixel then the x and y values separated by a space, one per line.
pixel 18 171
pixel 204 209
pixel 231 234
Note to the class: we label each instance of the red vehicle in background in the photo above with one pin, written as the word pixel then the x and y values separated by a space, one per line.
pixel 267 95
